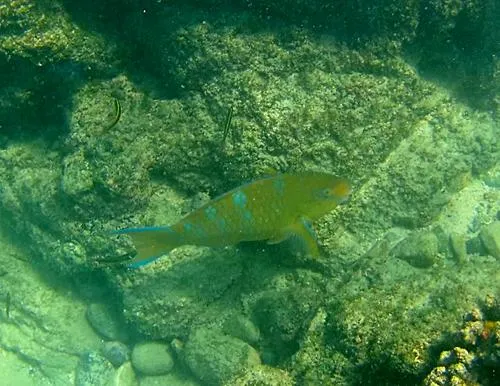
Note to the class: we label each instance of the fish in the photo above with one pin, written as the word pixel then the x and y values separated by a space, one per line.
pixel 273 208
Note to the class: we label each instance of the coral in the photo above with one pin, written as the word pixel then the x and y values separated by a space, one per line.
pixel 478 361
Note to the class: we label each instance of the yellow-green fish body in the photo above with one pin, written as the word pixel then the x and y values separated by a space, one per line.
pixel 273 209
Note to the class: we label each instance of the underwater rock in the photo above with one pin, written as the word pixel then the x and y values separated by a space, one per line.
pixel 116 352
pixel 125 376
pixel 214 357
pixel 316 363
pixel 458 247
pixel 262 375
pixel 420 249
pixel 242 328
pixel 282 316
pixel 77 177
pixel 167 379
pixel 93 369
pixel 152 358
pixel 104 322
pixel 490 236
pixel 167 306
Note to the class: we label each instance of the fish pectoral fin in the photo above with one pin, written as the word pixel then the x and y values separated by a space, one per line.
pixel 304 233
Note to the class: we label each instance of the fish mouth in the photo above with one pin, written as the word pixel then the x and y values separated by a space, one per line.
pixel 343 200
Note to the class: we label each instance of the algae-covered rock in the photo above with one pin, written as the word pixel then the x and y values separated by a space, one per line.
pixel 242 328
pixel 214 357
pixel 490 236
pixel 116 352
pixel 44 52
pixel 125 376
pixel 317 363
pixel 94 369
pixel 458 247
pixel 454 369
pixel 399 315
pixel 152 358
pixel 281 317
pixel 282 311
pixel 262 375
pixel 167 302
pixel 171 379
pixel 105 322
pixel 419 249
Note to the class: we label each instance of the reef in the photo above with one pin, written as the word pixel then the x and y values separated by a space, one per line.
pixel 475 360
pixel 105 126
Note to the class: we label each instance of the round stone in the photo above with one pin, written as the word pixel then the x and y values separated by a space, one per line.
pixel 152 358
pixel 115 352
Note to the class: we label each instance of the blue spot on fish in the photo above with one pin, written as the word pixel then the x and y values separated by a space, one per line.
pixel 247 216
pixel 194 229
pixel 239 198
pixel 279 185
pixel 211 213
pixel 221 224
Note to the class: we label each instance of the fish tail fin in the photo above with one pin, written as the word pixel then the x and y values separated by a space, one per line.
pixel 150 243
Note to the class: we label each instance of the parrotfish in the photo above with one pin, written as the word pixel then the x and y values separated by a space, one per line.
pixel 272 208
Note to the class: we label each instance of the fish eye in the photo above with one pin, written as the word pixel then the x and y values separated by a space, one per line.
pixel 323 194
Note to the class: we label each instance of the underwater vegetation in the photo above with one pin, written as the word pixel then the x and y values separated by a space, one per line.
pixel 129 114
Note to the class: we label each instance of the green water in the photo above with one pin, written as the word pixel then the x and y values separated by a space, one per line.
pixel 134 113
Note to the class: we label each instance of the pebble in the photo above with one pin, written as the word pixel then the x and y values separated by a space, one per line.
pixel 116 352
pixel 125 376
pixel 152 358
